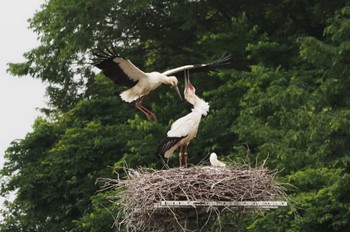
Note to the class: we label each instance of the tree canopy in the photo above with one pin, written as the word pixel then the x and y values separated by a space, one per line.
pixel 283 100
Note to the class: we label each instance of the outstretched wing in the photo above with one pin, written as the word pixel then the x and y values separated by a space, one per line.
pixel 120 70
pixel 199 67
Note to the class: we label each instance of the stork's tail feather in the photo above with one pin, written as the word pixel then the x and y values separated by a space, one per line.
pixel 128 96
pixel 169 152
pixel 168 146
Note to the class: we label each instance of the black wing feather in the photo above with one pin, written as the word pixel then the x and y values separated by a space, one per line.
pixel 166 144
pixel 104 61
pixel 223 60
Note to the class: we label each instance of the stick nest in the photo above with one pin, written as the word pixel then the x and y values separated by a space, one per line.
pixel 142 188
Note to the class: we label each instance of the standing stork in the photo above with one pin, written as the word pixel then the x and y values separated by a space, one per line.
pixel 123 72
pixel 184 129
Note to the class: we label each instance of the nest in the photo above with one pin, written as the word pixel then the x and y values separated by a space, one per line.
pixel 143 188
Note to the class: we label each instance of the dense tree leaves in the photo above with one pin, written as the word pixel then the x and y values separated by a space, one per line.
pixel 316 205
pixel 55 167
pixel 283 101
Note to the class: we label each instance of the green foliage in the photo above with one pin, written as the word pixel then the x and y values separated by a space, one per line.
pixel 100 216
pixel 55 167
pixel 316 205
pixel 283 100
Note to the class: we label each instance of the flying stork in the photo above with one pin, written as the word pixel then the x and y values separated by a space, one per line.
pixel 215 162
pixel 123 72
pixel 185 128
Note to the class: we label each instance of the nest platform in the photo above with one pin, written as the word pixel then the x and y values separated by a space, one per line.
pixel 189 199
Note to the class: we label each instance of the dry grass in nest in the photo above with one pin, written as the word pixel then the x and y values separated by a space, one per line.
pixel 142 188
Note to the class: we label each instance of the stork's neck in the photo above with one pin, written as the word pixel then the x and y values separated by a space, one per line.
pixel 164 79
pixel 200 106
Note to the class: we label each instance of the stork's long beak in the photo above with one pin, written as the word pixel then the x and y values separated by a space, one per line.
pixel 187 81
pixel 178 91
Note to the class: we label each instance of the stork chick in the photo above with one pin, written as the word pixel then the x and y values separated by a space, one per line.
pixel 215 162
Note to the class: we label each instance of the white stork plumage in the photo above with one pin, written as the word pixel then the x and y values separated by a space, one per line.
pixel 215 162
pixel 123 72
pixel 184 129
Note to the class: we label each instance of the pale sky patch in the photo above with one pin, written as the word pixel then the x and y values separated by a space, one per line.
pixel 19 97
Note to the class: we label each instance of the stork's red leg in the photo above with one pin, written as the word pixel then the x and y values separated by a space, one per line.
pixel 153 116
pixel 150 112
pixel 185 156
pixel 144 110
pixel 139 106
pixel 180 157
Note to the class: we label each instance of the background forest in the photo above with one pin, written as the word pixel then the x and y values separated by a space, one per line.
pixel 284 100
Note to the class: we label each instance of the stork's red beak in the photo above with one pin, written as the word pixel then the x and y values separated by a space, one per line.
pixel 188 84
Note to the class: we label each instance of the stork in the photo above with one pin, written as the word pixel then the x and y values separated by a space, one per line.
pixel 123 72
pixel 215 162
pixel 185 128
